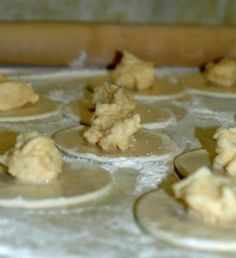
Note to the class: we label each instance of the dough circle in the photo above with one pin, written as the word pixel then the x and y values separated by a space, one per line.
pixel 159 214
pixel 188 162
pixel 163 89
pixel 148 146
pixel 44 108
pixel 152 115
pixel 73 186
pixel 197 84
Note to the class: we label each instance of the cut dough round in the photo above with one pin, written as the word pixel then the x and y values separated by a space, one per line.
pixel 73 186
pixel 188 162
pixel 197 84
pixel 163 89
pixel 165 218
pixel 44 108
pixel 152 115
pixel 148 146
pixel 212 104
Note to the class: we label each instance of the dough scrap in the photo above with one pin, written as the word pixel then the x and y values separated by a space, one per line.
pixel 112 93
pixel 225 159
pixel 34 159
pixel 212 197
pixel 15 94
pixel 112 127
pixel 134 73
pixel 222 73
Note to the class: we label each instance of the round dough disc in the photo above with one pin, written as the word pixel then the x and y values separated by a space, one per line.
pixel 162 89
pixel 217 104
pixel 159 214
pixel 188 162
pixel 197 84
pixel 42 109
pixel 147 146
pixel 73 186
pixel 152 115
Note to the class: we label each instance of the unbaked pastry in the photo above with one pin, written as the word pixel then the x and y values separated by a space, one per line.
pixel 34 159
pixel 15 94
pixel 225 159
pixel 112 127
pixel 212 197
pixel 222 73
pixel 134 73
pixel 112 93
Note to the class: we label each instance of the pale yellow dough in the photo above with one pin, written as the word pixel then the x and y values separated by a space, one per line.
pixel 112 127
pixel 134 73
pixel 34 159
pixel 211 197
pixel 15 94
pixel 222 73
pixel 225 159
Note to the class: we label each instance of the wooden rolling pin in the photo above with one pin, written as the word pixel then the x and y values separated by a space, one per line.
pixel 61 44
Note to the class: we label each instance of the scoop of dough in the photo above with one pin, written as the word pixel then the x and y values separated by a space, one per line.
pixel 112 128
pixel 212 197
pixel 133 73
pixel 225 159
pixel 112 93
pixel 34 159
pixel 15 94
pixel 222 73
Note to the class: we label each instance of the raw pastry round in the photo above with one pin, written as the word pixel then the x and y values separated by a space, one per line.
pixel 163 89
pixel 212 104
pixel 147 146
pixel 165 218
pixel 44 108
pixel 152 115
pixel 188 162
pixel 73 186
pixel 197 84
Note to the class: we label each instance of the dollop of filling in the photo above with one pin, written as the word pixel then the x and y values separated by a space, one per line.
pixel 112 127
pixel 225 159
pixel 222 73
pixel 34 159
pixel 113 94
pixel 15 94
pixel 133 73
pixel 211 197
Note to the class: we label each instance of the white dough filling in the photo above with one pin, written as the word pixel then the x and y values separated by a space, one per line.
pixel 34 159
pixel 225 160
pixel 16 94
pixel 222 73
pixel 211 197
pixel 134 73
